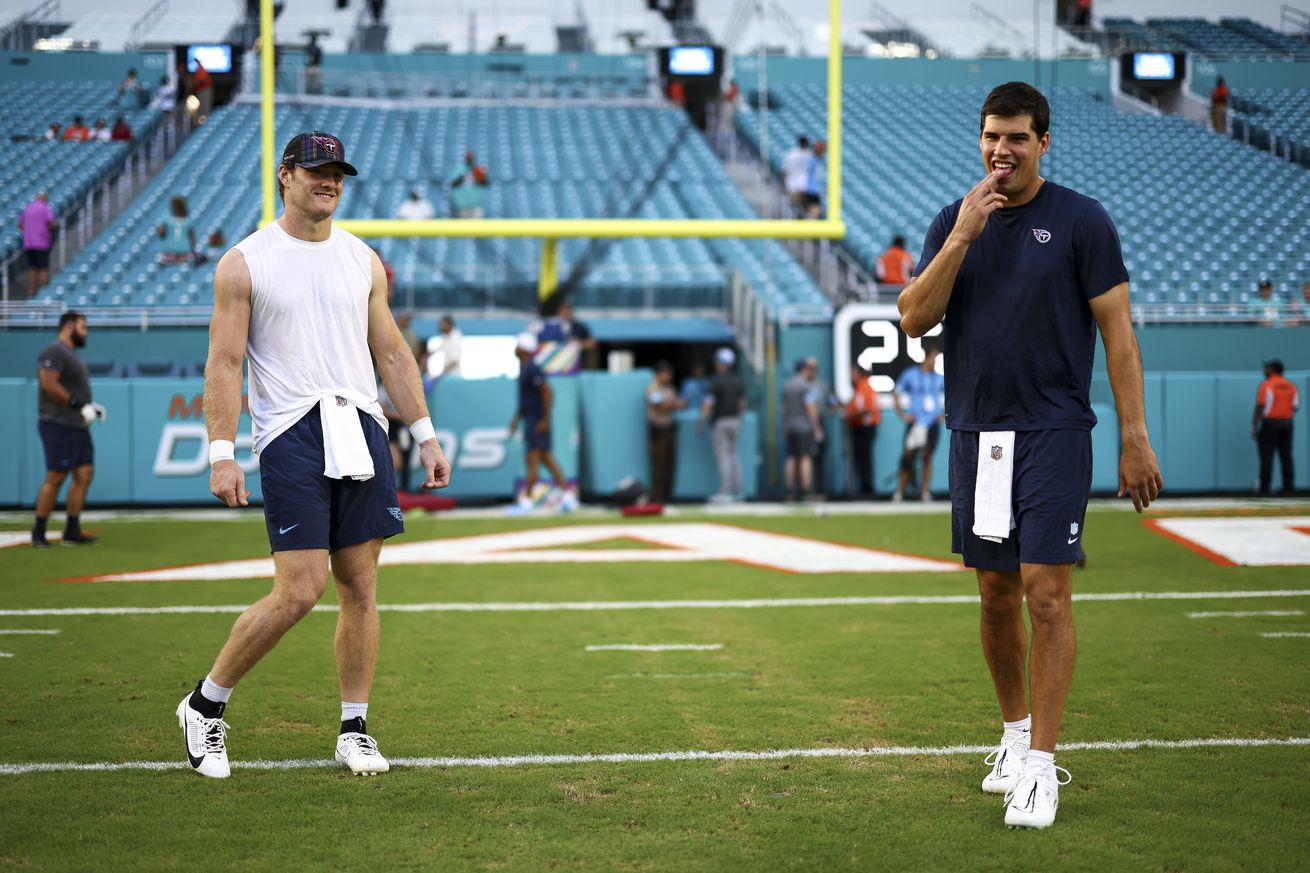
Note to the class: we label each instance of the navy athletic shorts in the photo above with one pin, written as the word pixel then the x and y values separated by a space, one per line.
pixel 1052 478
pixel 303 509
pixel 533 439
pixel 66 448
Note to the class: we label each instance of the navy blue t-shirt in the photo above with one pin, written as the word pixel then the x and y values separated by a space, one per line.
pixel 1020 336
pixel 531 378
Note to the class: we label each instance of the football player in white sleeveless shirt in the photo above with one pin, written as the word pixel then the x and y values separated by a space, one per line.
pixel 306 303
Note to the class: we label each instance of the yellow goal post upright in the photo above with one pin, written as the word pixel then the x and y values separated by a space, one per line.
pixel 551 230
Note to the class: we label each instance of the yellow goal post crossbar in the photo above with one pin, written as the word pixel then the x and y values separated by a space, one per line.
pixel 549 229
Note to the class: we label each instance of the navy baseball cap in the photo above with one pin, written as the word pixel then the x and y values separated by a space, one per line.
pixel 314 149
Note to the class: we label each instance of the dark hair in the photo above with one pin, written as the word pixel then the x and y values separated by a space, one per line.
pixel 1014 99
pixel 177 206
pixel 803 141
pixel 801 364
pixel 898 241
pixel 69 316
pixel 1274 366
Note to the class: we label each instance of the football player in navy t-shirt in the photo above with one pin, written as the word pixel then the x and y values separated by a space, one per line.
pixel 1024 271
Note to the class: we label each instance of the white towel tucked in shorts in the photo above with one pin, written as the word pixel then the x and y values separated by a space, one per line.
pixel 345 451
pixel 993 518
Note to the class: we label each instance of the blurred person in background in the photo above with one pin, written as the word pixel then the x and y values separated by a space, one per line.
pixel 1276 404
pixel 77 131
pixel 536 400
pixel 177 232
pixel 52 133
pixel 920 401
pixel 802 430
pixel 795 172
pixel 862 418
pixel 695 387
pixel 1219 106
pixel 723 407
pixel 121 132
pixel 65 411
pixel 38 223
pixel 468 188
pixel 662 404
pixel 895 265
pixel 452 341
pixel 416 208
pixel 1266 307
pixel 100 133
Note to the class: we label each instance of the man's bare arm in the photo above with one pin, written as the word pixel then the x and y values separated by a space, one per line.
pixel 229 330
pixel 50 385
pixel 1139 471
pixel 922 302
pixel 400 375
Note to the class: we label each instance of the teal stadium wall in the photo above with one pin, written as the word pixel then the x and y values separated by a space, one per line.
pixel 82 66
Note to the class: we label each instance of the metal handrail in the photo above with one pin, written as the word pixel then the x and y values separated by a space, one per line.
pixel 143 24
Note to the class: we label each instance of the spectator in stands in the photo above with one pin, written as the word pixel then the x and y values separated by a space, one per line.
pixel 1303 306
pixel 100 133
pixel 53 135
pixel 802 430
pixel 77 131
pixel 38 224
pixel 389 271
pixel 1082 14
pixel 166 97
pixel 662 402
pixel 215 246
pixel 130 93
pixel 313 66
pixel 452 342
pixel 815 179
pixel 724 407
pixel 202 85
pixel 895 265
pixel 1276 403
pixel 862 418
pixel 695 387
pixel 677 93
pixel 468 189
pixel 177 232
pixel 416 208
pixel 1266 307
pixel 729 105
pixel 121 132
pixel 580 333
pixel 922 410
pixel 795 172
pixel 1219 106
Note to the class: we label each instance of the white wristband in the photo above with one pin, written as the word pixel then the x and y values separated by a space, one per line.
pixel 221 450
pixel 422 430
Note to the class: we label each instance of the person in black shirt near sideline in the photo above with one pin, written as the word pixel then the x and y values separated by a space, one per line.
pixel 1024 272
pixel 724 406
pixel 65 414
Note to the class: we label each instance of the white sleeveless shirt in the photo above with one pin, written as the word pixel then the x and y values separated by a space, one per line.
pixel 308 327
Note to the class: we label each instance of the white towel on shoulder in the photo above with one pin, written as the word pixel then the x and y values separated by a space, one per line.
pixel 345 451
pixel 993 518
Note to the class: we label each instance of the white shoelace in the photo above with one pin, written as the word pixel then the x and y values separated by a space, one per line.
pixel 213 731
pixel 1048 782
pixel 1012 746
pixel 365 744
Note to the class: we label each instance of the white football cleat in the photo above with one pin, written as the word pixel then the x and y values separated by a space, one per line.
pixel 1035 797
pixel 1007 761
pixel 360 753
pixel 205 740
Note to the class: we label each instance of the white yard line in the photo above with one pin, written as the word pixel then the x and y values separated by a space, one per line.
pixel 1281 634
pixel 607 605
pixel 659 646
pixel 1247 614
pixel 720 675
pixel 14 631
pixel 657 757
pixel 6 654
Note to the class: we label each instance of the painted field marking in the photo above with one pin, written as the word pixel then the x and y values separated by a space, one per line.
pixel 719 675
pixel 663 646
pixel 14 631
pixel 6 654
pixel 677 543
pixel 1246 614
pixel 11 538
pixel 1280 634
pixel 1254 541
pixel 603 605
pixel 659 757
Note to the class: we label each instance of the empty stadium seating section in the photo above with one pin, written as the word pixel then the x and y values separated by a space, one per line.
pixel 580 162
pixel 63 169
pixel 1227 38
pixel 1202 217
pixel 1274 119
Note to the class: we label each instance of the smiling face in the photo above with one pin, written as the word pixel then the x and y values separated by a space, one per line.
pixel 1012 148
pixel 314 192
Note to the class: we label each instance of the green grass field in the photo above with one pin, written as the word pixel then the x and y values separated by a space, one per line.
pixel 491 684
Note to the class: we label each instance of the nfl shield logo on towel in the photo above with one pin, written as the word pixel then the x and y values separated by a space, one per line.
pixel 341 401
pixel 996 453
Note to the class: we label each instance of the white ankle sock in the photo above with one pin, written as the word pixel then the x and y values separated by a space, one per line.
pixel 211 690
pixel 1023 724
pixel 1037 761
pixel 353 710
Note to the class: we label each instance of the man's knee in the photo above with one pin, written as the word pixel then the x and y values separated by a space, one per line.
pixel 55 478
pixel 1049 596
pixel 297 594
pixel 1001 595
pixel 83 475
